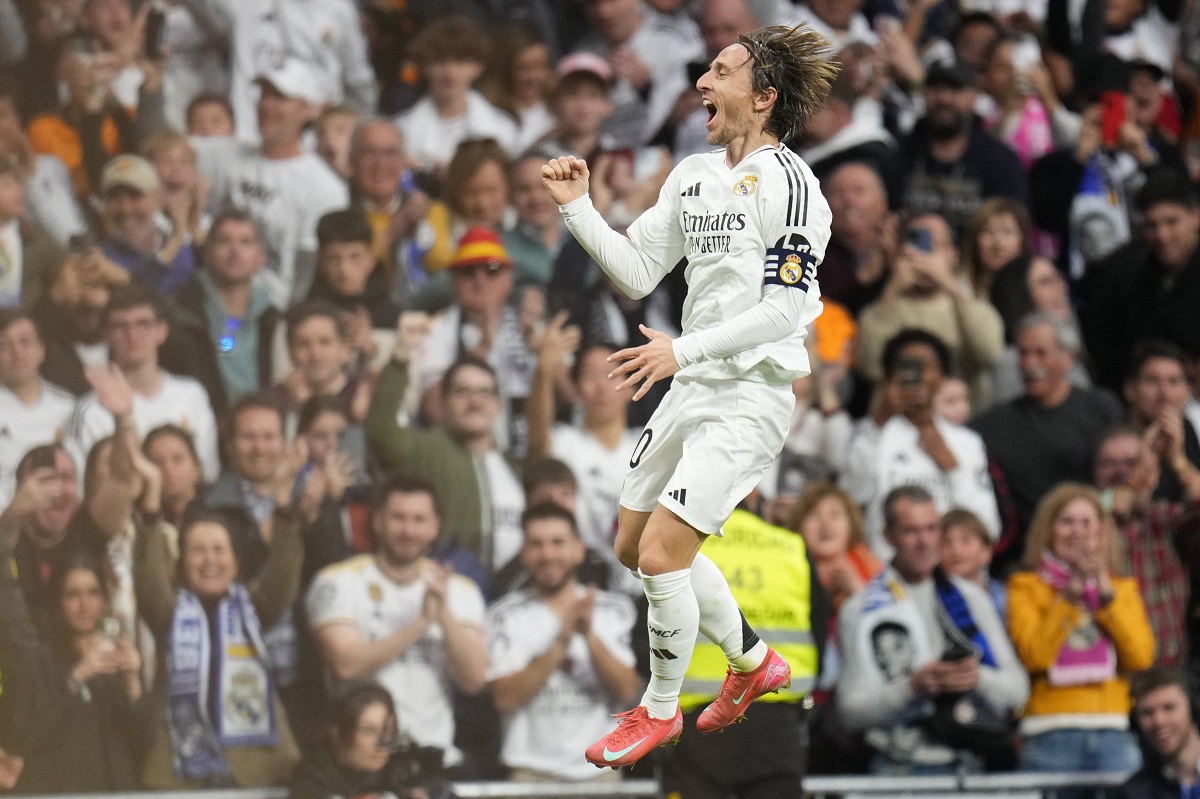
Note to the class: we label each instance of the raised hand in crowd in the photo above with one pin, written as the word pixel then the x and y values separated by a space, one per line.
pixel 556 342
pixel 112 390
pixel 437 584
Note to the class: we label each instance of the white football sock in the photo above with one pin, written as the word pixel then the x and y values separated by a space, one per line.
pixel 674 621
pixel 721 620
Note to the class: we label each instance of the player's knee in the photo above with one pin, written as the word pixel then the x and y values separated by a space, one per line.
pixel 654 560
pixel 627 553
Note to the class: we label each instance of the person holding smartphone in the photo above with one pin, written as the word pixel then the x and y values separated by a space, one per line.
pixel 924 291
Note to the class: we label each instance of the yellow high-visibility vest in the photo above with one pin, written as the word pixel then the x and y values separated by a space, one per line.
pixel 768 573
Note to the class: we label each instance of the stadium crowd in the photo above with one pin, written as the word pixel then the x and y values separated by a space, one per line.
pixel 309 460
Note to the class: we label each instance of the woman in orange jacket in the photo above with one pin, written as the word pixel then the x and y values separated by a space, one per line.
pixel 1080 631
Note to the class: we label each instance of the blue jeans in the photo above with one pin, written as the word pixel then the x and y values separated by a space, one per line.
pixel 1080 750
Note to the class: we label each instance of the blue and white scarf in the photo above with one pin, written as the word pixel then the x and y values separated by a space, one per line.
pixel 245 711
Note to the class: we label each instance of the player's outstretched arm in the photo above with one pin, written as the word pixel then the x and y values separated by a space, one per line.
pixel 636 264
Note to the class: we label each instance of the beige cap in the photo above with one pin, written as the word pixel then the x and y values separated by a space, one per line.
pixel 131 171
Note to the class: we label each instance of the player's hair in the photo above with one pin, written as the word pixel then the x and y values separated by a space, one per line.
pixel 914 335
pixel 404 484
pixel 918 495
pixel 549 510
pixel 344 227
pixel 1146 350
pixel 796 63
pixel 539 472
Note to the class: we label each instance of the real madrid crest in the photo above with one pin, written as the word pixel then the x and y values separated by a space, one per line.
pixel 791 270
pixel 375 592
pixel 746 186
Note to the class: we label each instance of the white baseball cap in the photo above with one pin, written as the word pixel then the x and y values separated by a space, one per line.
pixel 294 78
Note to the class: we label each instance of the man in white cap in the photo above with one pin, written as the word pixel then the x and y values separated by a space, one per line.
pixel 130 190
pixel 263 34
pixel 284 187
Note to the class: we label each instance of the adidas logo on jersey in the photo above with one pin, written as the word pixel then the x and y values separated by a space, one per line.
pixel 679 495
pixel 691 191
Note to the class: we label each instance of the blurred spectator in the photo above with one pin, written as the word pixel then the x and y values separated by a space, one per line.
pixel 339 447
pixel 835 135
pixel 648 53
pixel 582 104
pixel 451 112
pixel 209 115
pixel 832 527
pixel 382 184
pixel 967 553
pixel 350 278
pixel 333 128
pixel 951 402
pixel 482 323
pixel 903 656
pixel 110 32
pixel 840 21
pixel 560 654
pixel 132 196
pixel 318 346
pixel 263 35
pixel 29 258
pixel 226 311
pixel 1159 537
pixel 1156 392
pixel 183 192
pixel 538 237
pixel 1017 117
pixel 196 62
pixel 519 81
pixel 923 291
pixel 209 736
pixel 597 447
pixel 1080 630
pixel 49 196
pixel 915 447
pixel 402 619
pixel 285 188
pixel 767 752
pixel 1049 434
pixel 974 36
pixel 32 410
pixel 949 163
pixel 135 326
pixel 1147 289
pixel 476 196
pixel 91 706
pixel 486 514
pixel 362 753
pixel 863 241
pixel 173 451
pixel 1166 727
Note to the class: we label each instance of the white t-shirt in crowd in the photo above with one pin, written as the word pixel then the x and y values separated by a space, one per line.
pixel 858 32
pixel 198 63
pixel 287 196
pixel 533 123
pixel 508 503
pixel 877 464
pixel 430 140
pixel 181 401
pixel 23 427
pixel 600 473
pixel 325 34
pixel 572 709
pixel 50 200
pixel 355 591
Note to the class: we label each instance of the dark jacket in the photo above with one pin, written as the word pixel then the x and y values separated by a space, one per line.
pixel 1151 783
pixel 320 776
pixel 1127 300
pixel 190 349
pixel 41 258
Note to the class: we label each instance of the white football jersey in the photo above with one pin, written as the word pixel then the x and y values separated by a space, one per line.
pixel 23 427
pixel 572 709
pixel 356 591
pixel 740 234
pixel 877 464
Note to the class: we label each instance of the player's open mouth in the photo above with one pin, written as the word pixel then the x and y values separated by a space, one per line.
pixel 711 109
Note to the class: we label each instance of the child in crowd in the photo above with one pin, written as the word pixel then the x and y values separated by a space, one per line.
pixel 334 127
pixel 952 402
pixel 209 116
pixel 967 553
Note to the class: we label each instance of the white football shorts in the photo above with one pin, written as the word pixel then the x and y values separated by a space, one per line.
pixel 706 448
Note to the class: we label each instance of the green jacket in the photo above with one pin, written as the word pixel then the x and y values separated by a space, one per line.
pixel 458 476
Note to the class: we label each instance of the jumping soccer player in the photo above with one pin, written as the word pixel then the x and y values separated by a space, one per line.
pixel 748 225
